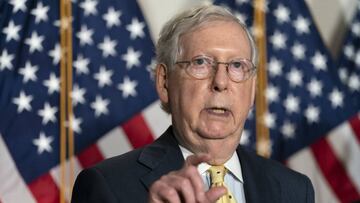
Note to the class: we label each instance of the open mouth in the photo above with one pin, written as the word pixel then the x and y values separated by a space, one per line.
pixel 218 111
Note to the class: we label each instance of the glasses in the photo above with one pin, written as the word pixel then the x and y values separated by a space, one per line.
pixel 202 67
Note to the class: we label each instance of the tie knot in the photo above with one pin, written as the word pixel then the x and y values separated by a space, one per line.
pixel 217 174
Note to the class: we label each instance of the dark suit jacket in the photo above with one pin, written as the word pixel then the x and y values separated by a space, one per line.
pixel 127 178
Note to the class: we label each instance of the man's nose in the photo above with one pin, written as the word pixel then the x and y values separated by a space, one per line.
pixel 220 79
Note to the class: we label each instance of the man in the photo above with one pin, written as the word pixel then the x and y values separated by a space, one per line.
pixel 206 80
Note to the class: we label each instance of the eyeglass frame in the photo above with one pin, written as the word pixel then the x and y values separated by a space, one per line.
pixel 214 65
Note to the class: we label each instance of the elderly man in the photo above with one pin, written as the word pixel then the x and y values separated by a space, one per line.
pixel 206 80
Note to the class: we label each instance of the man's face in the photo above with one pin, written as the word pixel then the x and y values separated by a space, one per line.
pixel 211 110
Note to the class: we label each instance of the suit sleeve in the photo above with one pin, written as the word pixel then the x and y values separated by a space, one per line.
pixel 90 187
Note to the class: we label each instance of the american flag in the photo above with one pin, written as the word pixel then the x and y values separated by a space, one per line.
pixel 314 126
pixel 114 100
pixel 349 60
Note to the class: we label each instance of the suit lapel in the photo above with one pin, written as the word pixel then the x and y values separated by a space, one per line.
pixel 258 186
pixel 161 157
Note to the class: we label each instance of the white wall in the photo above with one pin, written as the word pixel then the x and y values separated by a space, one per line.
pixel 331 16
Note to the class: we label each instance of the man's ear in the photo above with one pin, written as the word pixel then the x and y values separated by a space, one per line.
pixel 162 83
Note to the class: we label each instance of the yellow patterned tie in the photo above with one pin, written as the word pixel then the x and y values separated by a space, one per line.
pixel 217 174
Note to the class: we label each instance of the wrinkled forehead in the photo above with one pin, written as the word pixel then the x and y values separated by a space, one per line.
pixel 216 34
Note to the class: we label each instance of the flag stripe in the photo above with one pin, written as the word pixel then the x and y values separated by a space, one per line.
pixel 45 189
pixel 344 144
pixel 304 162
pixel 135 127
pixel 14 189
pixel 333 171
pixel 157 120
pixel 355 124
pixel 55 174
pixel 114 143
pixel 90 156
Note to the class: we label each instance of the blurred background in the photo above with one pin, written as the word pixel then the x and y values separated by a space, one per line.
pixel 61 112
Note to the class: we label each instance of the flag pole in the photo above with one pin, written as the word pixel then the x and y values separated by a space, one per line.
pixel 66 112
pixel 262 132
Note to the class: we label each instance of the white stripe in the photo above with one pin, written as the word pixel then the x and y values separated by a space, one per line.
pixel 345 146
pixel 304 162
pixel 157 120
pixel 55 174
pixel 114 143
pixel 12 186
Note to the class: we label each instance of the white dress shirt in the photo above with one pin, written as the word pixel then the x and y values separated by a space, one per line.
pixel 233 179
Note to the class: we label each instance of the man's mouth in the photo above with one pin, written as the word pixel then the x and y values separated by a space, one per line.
pixel 218 111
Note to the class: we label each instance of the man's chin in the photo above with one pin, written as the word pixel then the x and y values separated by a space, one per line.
pixel 214 133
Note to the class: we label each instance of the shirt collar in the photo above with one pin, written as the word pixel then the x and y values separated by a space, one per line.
pixel 233 164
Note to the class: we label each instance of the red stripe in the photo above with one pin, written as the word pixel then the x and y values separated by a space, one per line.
pixel 355 125
pixel 90 156
pixel 334 172
pixel 45 189
pixel 137 131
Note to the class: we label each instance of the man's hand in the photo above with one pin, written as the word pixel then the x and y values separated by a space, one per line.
pixel 184 185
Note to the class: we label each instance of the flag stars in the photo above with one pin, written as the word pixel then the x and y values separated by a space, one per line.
pixel 84 35
pixel 349 51
pixel 343 74
pixel 278 40
pixel 240 2
pixel 301 25
pixel 12 31
pixel 48 113
pixel 292 104
pixel 23 102
pixel 28 72
pixel 103 76
pixel 107 47
pixel 272 93
pixel 40 12
pixel 81 65
pixel 43 143
pixel 312 114
pixel 100 106
pixel 269 119
pixel 319 61
pixel 112 17
pixel 89 7
pixel 77 95
pixel 298 51
pixel 314 87
pixel 355 28
pixel 357 58
pixel 242 17
pixel 55 54
pixel 75 124
pixel 282 14
pixel 288 130
pixel 5 60
pixel 18 5
pixel 53 84
pixel 128 87
pixel 35 42
pixel 136 28
pixel 295 77
pixel 275 67
pixel 336 98
pixel 354 82
pixel 131 58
